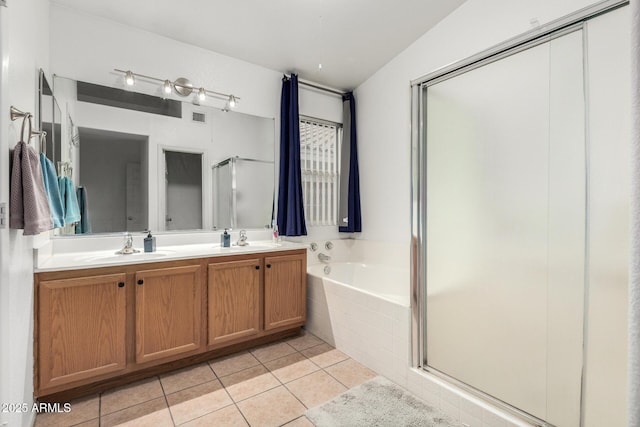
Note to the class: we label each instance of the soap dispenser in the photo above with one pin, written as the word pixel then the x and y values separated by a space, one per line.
pixel 150 243
pixel 225 239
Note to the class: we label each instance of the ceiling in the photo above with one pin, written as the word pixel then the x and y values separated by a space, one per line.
pixel 350 38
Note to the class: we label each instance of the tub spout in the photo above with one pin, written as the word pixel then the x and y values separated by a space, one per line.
pixel 324 258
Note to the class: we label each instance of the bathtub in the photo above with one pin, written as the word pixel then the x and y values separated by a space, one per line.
pixel 378 280
pixel 362 308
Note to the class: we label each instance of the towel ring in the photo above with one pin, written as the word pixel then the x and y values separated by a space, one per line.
pixel 43 142
pixel 16 114
pixel 24 122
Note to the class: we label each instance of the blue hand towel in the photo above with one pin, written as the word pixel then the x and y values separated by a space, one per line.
pixel 69 200
pixel 84 226
pixel 52 190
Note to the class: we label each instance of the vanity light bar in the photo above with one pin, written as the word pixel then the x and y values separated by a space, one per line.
pixel 182 86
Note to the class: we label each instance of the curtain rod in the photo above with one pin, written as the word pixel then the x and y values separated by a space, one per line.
pixel 317 86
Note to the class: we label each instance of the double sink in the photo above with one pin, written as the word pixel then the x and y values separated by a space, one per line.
pixel 183 251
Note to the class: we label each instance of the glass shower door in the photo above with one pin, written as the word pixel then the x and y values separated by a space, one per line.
pixel 505 228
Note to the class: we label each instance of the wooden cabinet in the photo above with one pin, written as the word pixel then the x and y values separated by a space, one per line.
pixel 108 325
pixel 234 300
pixel 168 307
pixel 285 291
pixel 81 331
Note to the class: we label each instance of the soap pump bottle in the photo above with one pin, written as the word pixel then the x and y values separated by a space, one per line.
pixel 275 237
pixel 225 239
pixel 149 243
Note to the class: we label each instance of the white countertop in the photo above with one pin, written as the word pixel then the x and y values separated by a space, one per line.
pixel 108 258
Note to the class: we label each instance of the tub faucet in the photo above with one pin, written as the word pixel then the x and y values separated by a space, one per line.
pixel 242 239
pixel 324 258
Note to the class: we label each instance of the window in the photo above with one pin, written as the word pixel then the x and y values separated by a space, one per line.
pixel 319 162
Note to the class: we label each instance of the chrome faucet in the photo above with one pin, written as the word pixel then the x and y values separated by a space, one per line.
pixel 128 245
pixel 242 239
pixel 324 258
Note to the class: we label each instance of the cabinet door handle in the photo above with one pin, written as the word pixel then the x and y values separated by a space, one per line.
pixel 268 265
pixel 257 267
pixel 140 281
pixel 121 284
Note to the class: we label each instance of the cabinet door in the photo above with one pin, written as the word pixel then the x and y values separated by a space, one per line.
pixel 81 328
pixel 168 311
pixel 285 291
pixel 234 300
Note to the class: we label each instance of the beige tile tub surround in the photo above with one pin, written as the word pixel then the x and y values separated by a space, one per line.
pixel 271 385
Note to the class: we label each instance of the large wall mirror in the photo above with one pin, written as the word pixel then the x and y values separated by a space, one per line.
pixel 147 162
pixel 49 120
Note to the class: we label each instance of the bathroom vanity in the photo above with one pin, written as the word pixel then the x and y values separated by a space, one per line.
pixel 105 325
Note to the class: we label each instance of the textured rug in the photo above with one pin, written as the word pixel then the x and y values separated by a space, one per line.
pixel 377 402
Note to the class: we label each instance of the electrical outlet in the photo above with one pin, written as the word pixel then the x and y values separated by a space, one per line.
pixel 3 215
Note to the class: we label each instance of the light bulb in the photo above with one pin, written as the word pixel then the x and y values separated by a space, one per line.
pixel 167 87
pixel 232 101
pixel 129 78
pixel 320 66
pixel 201 94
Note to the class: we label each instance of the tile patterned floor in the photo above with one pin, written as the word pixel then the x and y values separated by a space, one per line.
pixel 271 385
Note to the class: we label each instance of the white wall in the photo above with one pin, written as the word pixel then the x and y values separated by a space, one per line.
pixel 383 101
pixel 87 48
pixel 24 48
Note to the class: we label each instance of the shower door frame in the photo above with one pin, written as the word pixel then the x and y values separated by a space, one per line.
pixel 535 37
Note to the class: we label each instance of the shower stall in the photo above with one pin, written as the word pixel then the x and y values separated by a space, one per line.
pixel 521 201
pixel 243 193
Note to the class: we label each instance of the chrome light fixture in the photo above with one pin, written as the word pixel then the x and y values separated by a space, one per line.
pixel 168 88
pixel 181 86
pixel 129 78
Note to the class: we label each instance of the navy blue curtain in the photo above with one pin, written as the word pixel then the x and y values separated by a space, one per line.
pixel 290 205
pixel 354 216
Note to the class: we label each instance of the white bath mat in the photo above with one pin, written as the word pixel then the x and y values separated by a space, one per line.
pixel 378 402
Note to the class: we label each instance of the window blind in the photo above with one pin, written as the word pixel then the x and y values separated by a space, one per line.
pixel 319 160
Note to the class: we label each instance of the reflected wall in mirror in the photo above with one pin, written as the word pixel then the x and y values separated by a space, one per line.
pixel 110 168
pixel 183 189
pixel 146 161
